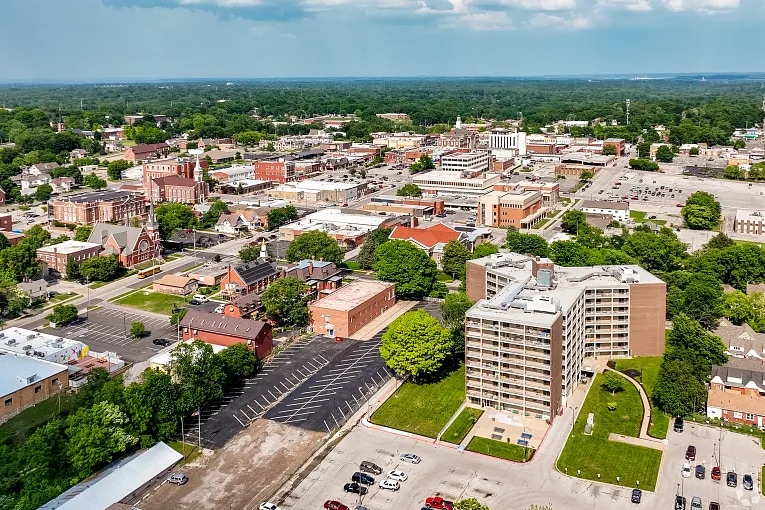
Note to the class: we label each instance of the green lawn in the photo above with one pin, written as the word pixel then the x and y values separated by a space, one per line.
pixel 151 301
pixel 640 217
pixel 352 265
pixel 443 277
pixel 593 454
pixel 649 368
pixel 461 425
pixel 21 425
pixel 64 297
pixel 507 451
pixel 423 409
pixel 544 222
pixel 762 486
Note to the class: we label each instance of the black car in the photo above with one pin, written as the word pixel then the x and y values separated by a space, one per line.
pixel 362 478
pixel 195 302
pixel 355 488
pixel 701 472
pixel 678 427
pixel 636 495
pixel 731 479
pixel 370 467
pixel 164 342
pixel 748 482
pixel 679 503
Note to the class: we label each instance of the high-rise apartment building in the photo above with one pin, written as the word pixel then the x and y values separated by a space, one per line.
pixel 535 324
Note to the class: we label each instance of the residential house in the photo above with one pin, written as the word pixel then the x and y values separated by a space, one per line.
pixel 132 245
pixel 175 284
pixel 144 151
pixel 229 223
pixel 42 168
pixel 62 184
pixel 248 277
pixel 35 290
pixel 431 239
pixel 31 182
pixel 737 389
pixel 243 306
pixel 322 277
pixel 217 329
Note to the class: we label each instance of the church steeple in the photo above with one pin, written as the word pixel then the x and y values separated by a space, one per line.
pixel 151 222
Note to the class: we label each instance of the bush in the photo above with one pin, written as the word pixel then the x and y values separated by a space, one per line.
pixel 611 406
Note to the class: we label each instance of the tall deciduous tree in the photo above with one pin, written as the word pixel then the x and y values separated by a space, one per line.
pixel 571 221
pixel 199 374
pixel 701 211
pixel 688 341
pixel 484 250
pixel 527 244
pixel 174 216
pixel 286 300
pixel 317 245
pixel 453 259
pixel 249 253
pixel 415 344
pixel 374 239
pixel 82 233
pixel 409 190
pixel 281 216
pixel 407 266
pixel 678 391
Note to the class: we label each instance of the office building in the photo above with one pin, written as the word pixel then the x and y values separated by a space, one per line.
pixel 535 324
pixel 748 222
pixel 455 183
pixel 519 208
pixel 506 143
pixel 56 256
pixel 350 308
pixel 97 206
pixel 472 163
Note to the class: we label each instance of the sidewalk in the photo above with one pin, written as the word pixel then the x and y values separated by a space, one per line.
pixel 379 323
pixel 645 424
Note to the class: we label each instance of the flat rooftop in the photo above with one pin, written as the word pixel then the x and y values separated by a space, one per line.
pixel 449 176
pixel 337 219
pixel 98 196
pixel 21 341
pixel 750 215
pixel 310 185
pixel 68 247
pixel 350 296
pixel 19 371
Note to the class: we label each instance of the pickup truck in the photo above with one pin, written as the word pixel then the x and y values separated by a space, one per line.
pixel 439 503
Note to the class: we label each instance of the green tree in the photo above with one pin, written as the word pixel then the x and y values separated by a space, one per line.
pixel 470 504
pixel 484 250
pixel 410 268
pixel 409 190
pixel 453 310
pixel 719 242
pixel 423 164
pixel 698 295
pixel 72 270
pixel 527 244
pixel 249 253
pixel 734 172
pixel 415 344
pixel 174 216
pixel 152 406
pixel 199 373
pixel 210 217
pixel 737 307
pixel 586 175
pixel 569 253
pixel 137 329
pixel 82 233
pixel 286 301
pixel 613 382
pixel 270 147
pixel 281 216
pixel 688 341
pixel 178 316
pixel 93 181
pixel 609 150
pixel 239 362
pixel 315 244
pixel 374 239
pixel 643 164
pixel 101 269
pixel 572 220
pixel 115 168
pixel 678 391
pixel 665 154
pixel 43 192
pixel 701 211
pixel 655 252
pixel 453 259
pixel 62 314
pixel 643 150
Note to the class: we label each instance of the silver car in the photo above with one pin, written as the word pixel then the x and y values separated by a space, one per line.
pixel 410 457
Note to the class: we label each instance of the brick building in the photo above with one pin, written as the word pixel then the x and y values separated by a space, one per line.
pixel 26 381
pixel 145 151
pixel 181 167
pixel 321 277
pixel 175 284
pixel 749 222
pixel 618 144
pixel 217 329
pixel 573 170
pixel 353 306
pixel 98 206
pixel 55 257
pixel 248 277
pixel 6 223
pixel 519 208
pixel 2 197
pixel 132 245
pixel 275 171
pixel 173 188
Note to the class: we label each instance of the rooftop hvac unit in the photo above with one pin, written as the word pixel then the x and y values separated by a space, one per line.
pixel 27 348
pixel 2 335
pixel 544 278
pixel 11 341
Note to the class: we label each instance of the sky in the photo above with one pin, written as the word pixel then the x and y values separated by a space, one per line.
pixel 113 40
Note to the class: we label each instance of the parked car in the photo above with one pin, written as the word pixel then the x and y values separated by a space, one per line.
pixel 268 506
pixel 397 475
pixel 164 342
pixel 716 473
pixel 410 457
pixel 679 503
pixel 678 426
pixel 370 467
pixel 391 485
pixel 700 471
pixel 439 503
pixel 731 479
pixel 696 503
pixel 195 302
pixel 219 309
pixel 690 453
pixel 748 482
pixel 637 495
pixel 441 215
pixel 364 478
pixel 201 298
pixel 178 478
pixel 355 488
pixel 686 471
pixel 714 505
pixel 332 504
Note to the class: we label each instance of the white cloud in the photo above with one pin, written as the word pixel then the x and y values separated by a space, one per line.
pixel 556 22
pixel 704 6
pixel 539 5
pixel 630 5
pixel 481 21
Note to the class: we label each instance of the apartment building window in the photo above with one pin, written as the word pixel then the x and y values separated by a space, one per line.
pixel 749 416
pixel 737 414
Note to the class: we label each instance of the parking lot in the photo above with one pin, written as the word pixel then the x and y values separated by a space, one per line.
pixel 107 329
pixel 337 390
pixel 739 453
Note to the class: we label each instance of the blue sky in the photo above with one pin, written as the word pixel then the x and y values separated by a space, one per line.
pixel 82 40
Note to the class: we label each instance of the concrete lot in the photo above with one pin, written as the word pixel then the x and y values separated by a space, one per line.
pixel 740 453
pixel 107 329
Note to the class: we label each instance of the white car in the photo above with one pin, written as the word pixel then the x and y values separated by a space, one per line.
pixel 219 309
pixel 268 506
pixel 391 485
pixel 686 472
pixel 410 457
pixel 201 298
pixel 397 475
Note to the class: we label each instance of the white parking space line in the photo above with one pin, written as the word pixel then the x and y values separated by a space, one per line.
pixel 313 401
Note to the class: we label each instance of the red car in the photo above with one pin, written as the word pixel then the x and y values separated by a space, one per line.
pixel 439 503
pixel 331 504
pixel 716 473
pixel 680 205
